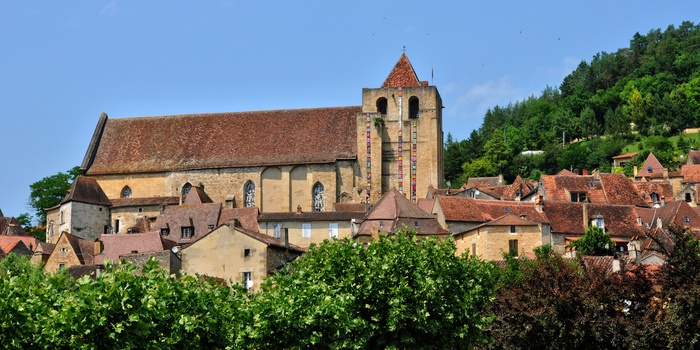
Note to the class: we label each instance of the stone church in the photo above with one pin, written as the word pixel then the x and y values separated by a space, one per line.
pixel 280 160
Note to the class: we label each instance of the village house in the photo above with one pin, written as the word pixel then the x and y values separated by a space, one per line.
pixel 237 255
pixel 507 234
pixel 306 228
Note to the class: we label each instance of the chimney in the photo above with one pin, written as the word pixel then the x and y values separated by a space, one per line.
pixel 500 179
pixel 659 223
pixel 639 221
pixel 663 200
pixel 538 203
pixel 98 247
pixel 635 171
pixel 298 209
pixel 585 216
pixel 615 264
pixel 633 248
pixel 584 172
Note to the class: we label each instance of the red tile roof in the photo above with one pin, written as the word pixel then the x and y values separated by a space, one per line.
pixel 626 155
pixel 460 209
pixel 86 190
pixel 7 243
pixel 567 218
pixel 519 188
pixel 492 210
pixel 10 226
pixel 203 217
pixel 114 246
pixel 196 195
pixel 402 75
pixel 222 140
pixel 651 163
pixel 393 211
pixel 691 173
pixel 247 217
pixel 645 189
pixel 479 182
pixel 619 189
pixel 693 157
pixel 142 202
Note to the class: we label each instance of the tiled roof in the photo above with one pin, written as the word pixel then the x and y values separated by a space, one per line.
pixel 84 249
pixel 311 216
pixel 44 248
pixel 519 188
pixel 393 211
pixel 113 246
pixel 197 196
pixel 674 212
pixel 495 192
pixel 203 217
pixel 479 182
pixel 651 163
pixel 556 187
pixel 86 190
pixel 565 172
pixel 402 75
pixel 269 240
pixel 7 243
pixel 223 140
pixel 619 189
pixel 691 173
pixel 10 226
pixel 645 189
pixel 247 217
pixel 143 202
pixel 505 220
pixel 349 206
pixel 426 204
pixel 460 209
pixel 567 218
pixel 492 210
pixel 626 155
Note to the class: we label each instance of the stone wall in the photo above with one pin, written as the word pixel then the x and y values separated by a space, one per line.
pixel 492 241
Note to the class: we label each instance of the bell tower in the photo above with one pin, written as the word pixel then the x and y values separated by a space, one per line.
pixel 399 136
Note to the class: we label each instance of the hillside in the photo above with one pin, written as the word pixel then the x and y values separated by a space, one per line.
pixel 629 100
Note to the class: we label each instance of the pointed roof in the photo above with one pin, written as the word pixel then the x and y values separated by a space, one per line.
pixel 393 211
pixel 402 75
pixel 86 190
pixel 651 167
pixel 197 196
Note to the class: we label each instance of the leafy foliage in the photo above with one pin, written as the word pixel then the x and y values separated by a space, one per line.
pixel 594 242
pixel 397 292
pixel 49 192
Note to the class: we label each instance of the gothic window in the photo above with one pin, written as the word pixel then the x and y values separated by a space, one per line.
pixel 381 105
pixel 126 192
pixel 318 197
pixel 51 228
pixel 186 188
pixel 413 107
pixel 249 194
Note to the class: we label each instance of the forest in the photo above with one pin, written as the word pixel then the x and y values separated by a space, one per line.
pixel 634 99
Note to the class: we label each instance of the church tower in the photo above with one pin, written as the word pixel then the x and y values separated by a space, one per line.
pixel 399 136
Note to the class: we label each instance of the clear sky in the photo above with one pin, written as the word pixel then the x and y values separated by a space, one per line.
pixel 62 63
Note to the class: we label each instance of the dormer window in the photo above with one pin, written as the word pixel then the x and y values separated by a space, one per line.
pixel 598 221
pixel 686 218
pixel 649 168
pixel 578 196
pixel 688 197
pixel 187 231
pixel 654 197
pixel 186 188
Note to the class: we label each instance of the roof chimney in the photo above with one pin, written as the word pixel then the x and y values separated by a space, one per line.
pixel 298 209
pixel 585 216
pixel 584 171
pixel 538 203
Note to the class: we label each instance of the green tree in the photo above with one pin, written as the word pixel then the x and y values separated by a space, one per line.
pixel 397 292
pixel 49 192
pixel 594 242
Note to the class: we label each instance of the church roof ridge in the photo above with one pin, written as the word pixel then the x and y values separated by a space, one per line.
pixel 402 75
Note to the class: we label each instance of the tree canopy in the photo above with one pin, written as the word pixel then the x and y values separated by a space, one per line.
pixel 49 192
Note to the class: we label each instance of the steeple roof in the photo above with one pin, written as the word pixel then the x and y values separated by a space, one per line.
pixel 402 75
pixel 86 190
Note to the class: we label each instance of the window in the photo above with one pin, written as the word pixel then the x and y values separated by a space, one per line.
pixel 318 197
pixel 649 168
pixel 246 252
pixel 413 105
pixel 513 246
pixel 186 188
pixel 126 192
pixel 278 230
pixel 333 230
pixel 51 228
pixel 164 231
pixel 247 279
pixel 381 105
pixel 688 197
pixel 249 194
pixel 62 217
pixel 61 266
pixel 187 231
pixel 686 218
pixel 116 226
pixel 305 230
pixel 578 196
pixel 512 229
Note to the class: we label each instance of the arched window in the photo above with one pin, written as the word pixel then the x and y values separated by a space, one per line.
pixel 249 194
pixel 186 188
pixel 654 197
pixel 51 228
pixel 413 107
pixel 318 197
pixel 126 192
pixel 381 105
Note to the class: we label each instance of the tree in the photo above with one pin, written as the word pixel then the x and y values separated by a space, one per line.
pixel 49 192
pixel 594 242
pixel 397 292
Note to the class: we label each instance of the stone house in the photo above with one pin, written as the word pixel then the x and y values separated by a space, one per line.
pixel 70 250
pixel 237 255
pixel 306 228
pixel 279 160
pixel 83 212
pixel 19 245
pixel 506 234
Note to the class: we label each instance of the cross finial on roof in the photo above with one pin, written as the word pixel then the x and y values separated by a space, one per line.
pixel 404 49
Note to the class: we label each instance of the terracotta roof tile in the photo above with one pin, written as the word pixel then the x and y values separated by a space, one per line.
pixel 460 209
pixel 426 204
pixel 349 206
pixel 518 189
pixel 142 202
pixel 492 210
pixel 693 157
pixel 567 218
pixel 626 155
pixel 223 140
pixel 402 75
pixel 393 211
pixel 646 189
pixel 619 189
pixel 480 182
pixel 86 190
pixel 691 173
pixel 247 217
pixel 651 168
pixel 196 195
pixel 7 243
pixel 203 217
pixel 114 246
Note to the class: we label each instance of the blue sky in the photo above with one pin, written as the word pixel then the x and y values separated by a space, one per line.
pixel 63 63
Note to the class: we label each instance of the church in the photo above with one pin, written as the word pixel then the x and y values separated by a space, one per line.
pixel 280 160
